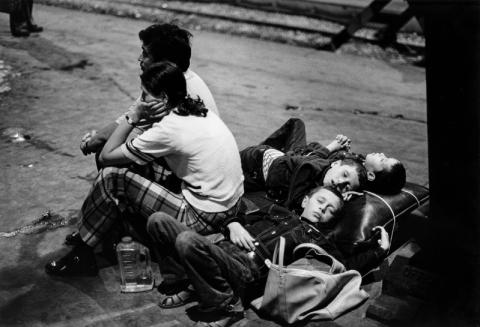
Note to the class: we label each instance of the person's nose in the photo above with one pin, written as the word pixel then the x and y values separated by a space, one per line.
pixel 140 57
pixel 322 207
pixel 342 184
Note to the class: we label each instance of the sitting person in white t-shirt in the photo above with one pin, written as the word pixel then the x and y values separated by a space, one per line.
pixel 160 42
pixel 194 142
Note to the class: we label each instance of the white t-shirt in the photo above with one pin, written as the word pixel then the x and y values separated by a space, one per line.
pixel 199 150
pixel 197 87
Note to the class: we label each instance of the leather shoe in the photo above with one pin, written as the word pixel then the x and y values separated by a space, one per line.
pixel 35 28
pixel 20 31
pixel 79 262
pixel 223 321
pixel 224 317
pixel 73 239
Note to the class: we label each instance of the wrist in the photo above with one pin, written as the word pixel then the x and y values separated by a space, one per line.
pixel 132 118
pixel 231 224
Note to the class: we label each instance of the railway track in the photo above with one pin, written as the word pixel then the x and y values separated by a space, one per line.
pixel 406 42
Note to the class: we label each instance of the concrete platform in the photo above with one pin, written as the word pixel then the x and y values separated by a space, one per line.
pixel 82 73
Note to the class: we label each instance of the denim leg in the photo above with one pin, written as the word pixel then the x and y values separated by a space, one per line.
pixel 164 230
pixel 289 136
pixel 217 272
pixel 252 161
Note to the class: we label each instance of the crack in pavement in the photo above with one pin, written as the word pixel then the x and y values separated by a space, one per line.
pixel 19 135
pixel 81 64
pixel 39 144
pixel 49 53
pixel 392 116
pixel 358 112
pixel 121 88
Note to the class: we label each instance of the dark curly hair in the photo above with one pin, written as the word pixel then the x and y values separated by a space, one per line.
pixel 389 181
pixel 166 78
pixel 168 42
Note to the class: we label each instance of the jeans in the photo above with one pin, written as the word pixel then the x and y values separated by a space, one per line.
pixel 218 272
pixel 289 136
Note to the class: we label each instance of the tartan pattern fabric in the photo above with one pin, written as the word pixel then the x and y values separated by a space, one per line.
pixel 156 171
pixel 160 173
pixel 268 156
pixel 119 190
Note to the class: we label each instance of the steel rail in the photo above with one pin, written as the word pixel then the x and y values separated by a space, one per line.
pixel 251 21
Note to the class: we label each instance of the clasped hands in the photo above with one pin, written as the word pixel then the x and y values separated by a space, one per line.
pixel 341 142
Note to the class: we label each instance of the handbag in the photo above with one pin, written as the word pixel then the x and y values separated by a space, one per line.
pixel 315 287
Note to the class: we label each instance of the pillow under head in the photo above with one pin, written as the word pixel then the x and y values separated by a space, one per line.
pixel 362 213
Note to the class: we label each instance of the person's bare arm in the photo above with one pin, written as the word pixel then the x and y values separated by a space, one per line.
pixel 112 154
pixel 93 141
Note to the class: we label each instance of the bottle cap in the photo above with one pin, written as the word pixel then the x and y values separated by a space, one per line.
pixel 126 239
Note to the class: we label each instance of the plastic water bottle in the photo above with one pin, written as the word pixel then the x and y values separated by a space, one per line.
pixel 135 270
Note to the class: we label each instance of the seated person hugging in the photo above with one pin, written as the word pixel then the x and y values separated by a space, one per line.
pixel 188 137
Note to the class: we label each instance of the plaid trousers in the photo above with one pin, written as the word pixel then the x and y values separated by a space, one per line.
pixel 120 190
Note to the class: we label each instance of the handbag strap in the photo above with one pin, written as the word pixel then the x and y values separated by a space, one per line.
pixel 312 246
pixel 278 253
pixel 281 253
pixel 335 265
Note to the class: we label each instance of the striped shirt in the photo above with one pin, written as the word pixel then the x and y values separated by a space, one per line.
pixel 268 156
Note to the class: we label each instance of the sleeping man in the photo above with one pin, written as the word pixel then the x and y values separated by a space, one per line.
pixel 221 273
pixel 385 175
pixel 287 178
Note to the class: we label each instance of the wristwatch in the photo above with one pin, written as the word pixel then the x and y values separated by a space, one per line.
pixel 130 121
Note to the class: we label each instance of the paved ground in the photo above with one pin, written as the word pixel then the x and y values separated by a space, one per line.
pixel 82 72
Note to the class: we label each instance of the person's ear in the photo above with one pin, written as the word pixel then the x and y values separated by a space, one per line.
pixel 304 201
pixel 336 163
pixel 370 176
pixel 164 97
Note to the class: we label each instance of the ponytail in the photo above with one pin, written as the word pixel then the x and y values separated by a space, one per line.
pixel 194 107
